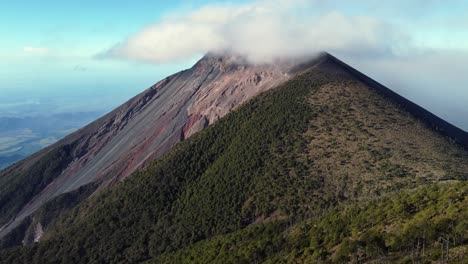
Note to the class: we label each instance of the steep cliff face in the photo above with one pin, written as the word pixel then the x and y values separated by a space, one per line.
pixel 142 129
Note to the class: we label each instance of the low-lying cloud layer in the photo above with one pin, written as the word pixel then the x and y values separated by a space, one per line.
pixel 262 31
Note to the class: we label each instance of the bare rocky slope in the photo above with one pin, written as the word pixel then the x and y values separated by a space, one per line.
pixel 142 129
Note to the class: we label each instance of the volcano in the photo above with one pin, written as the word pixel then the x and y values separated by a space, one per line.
pixel 226 149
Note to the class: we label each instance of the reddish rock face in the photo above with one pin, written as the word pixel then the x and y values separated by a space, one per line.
pixel 148 125
pixel 195 123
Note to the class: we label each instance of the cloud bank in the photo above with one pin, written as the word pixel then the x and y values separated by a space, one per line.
pixel 262 31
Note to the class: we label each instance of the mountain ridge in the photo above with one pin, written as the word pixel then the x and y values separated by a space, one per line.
pixel 459 135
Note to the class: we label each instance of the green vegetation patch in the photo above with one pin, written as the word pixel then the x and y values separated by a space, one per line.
pixel 422 226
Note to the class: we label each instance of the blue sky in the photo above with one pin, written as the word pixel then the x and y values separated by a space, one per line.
pixel 96 54
pixel 48 48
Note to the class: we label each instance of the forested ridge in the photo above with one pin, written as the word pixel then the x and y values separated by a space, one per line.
pixel 420 226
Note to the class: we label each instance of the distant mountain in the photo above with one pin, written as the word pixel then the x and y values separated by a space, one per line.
pixel 316 163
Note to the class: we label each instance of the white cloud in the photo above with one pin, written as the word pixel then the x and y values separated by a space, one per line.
pixel 36 50
pixel 262 31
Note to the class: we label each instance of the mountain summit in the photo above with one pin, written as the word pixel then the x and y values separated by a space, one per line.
pixel 296 165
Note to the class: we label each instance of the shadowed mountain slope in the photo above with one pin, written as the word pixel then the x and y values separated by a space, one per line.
pixel 298 173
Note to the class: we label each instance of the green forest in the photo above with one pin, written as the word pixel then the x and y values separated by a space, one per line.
pixel 420 226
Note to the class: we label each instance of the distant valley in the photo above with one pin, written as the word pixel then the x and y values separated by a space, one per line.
pixel 22 136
